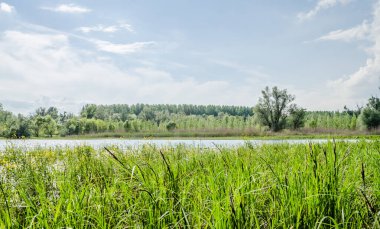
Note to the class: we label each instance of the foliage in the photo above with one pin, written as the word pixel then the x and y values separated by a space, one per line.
pixel 171 126
pixel 273 108
pixel 330 185
pixel 371 113
pixel 23 129
pixel 88 111
pixel 50 126
pixel 330 120
pixel 296 118
pixel 190 120
pixel 149 112
pixel 43 125
pixel 371 117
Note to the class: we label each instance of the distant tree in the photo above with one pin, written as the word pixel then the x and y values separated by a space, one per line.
pixel 312 122
pixel 41 111
pixel 88 111
pixel 370 115
pixel 135 125
pixel 11 127
pixel 72 128
pixel 171 126
pixel 37 125
pixel 273 108
pixel 64 117
pixel 353 122
pixel 24 129
pixel 161 116
pixel 90 126
pixel 127 126
pixel 43 125
pixel 53 112
pixel 296 118
pixel 371 118
pixel 50 126
pixel 111 127
pixel 16 127
pixel 148 114
pixel 75 126
pixel 353 112
pixel 116 117
pixel 101 126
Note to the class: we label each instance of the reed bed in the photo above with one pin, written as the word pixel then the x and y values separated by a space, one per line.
pixel 329 185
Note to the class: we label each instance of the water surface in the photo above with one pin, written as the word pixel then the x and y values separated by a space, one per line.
pixel 125 143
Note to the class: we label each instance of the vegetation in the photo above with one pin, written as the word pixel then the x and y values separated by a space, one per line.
pixel 269 186
pixel 371 113
pixel 274 112
pixel 274 108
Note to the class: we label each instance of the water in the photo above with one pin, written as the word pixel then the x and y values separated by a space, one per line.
pixel 125 143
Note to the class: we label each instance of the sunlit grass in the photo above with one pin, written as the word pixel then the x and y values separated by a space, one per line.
pixel 269 186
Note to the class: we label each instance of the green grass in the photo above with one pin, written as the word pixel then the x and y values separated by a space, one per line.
pixel 270 186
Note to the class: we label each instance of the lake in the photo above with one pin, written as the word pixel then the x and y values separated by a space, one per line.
pixel 125 143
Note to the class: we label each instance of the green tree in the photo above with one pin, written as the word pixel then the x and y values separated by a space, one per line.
pixel 148 114
pixel 37 125
pixel 41 111
pixel 88 111
pixel 171 126
pixel 296 118
pixel 11 127
pixel 24 125
pixel 127 126
pixel 111 127
pixel 273 108
pixel 53 112
pixel 371 113
pixel 50 126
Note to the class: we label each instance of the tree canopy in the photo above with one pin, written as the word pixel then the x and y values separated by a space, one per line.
pixel 274 107
pixel 371 113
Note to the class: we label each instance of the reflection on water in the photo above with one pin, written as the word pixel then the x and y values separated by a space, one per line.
pixel 124 143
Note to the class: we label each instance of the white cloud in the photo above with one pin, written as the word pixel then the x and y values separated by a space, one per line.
pixel 121 48
pixel 254 73
pixel 359 32
pixel 36 66
pixel 366 79
pixel 106 29
pixel 4 7
pixel 68 8
pixel 98 28
pixel 321 5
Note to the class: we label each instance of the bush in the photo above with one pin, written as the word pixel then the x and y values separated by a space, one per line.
pixel 371 113
pixel 171 126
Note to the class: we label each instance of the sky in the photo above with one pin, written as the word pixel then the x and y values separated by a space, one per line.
pixel 69 53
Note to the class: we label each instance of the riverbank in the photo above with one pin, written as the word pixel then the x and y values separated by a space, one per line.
pixel 226 134
pixel 231 136
pixel 30 144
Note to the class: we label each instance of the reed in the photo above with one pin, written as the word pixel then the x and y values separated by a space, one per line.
pixel 331 185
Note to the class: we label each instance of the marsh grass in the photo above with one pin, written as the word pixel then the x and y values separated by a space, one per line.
pixel 331 185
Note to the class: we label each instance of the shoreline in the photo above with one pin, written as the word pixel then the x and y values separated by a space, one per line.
pixel 262 137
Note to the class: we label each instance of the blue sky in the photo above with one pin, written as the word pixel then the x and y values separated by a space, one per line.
pixel 68 53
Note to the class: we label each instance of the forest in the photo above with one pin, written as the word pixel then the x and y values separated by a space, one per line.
pixel 150 120
pixel 275 112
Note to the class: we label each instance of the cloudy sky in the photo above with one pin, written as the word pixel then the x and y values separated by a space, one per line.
pixel 68 53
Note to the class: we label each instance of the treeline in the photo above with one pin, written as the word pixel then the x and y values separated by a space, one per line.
pixel 159 111
pixel 153 119
pixel 122 118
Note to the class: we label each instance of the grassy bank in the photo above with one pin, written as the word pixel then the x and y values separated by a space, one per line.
pixel 231 134
pixel 269 186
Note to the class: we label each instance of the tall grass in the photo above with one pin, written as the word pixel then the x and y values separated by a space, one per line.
pixel 332 185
